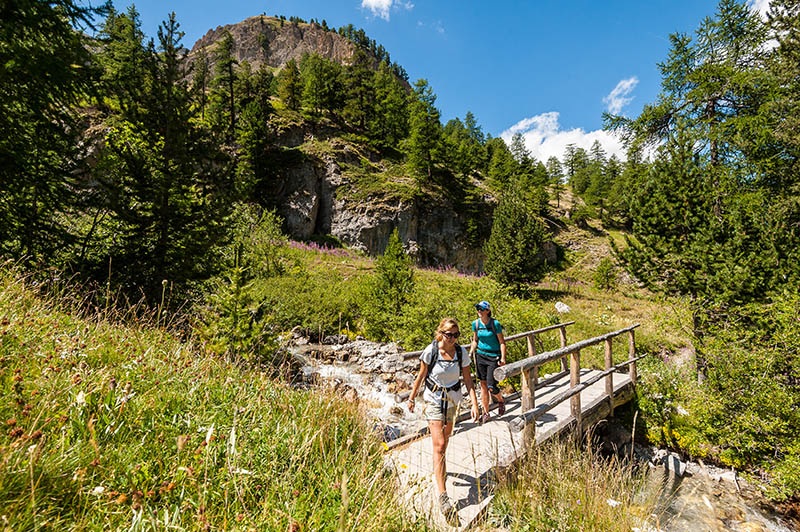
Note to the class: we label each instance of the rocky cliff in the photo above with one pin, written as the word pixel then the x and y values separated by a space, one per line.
pixel 311 193
pixel 269 41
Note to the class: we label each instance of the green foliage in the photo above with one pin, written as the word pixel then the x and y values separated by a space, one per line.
pixel 605 275
pixel 127 425
pixel 233 319
pixel 290 86
pixel 514 249
pixel 223 99
pixel 580 215
pixel 161 178
pixel 425 130
pixel 390 121
pixel 389 290
pixel 322 87
pixel 47 70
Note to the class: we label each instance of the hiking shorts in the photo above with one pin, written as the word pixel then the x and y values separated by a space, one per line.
pixel 485 366
pixel 434 411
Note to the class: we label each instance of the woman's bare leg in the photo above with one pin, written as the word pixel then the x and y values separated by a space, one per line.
pixel 440 435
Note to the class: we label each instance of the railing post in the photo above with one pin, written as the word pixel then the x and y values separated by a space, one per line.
pixel 529 378
pixel 574 380
pixel 562 334
pixel 632 355
pixel 609 378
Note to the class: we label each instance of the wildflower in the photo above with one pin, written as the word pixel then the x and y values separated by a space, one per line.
pixel 613 503
pixel 98 490
pixel 81 398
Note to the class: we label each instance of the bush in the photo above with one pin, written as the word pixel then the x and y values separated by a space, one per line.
pixel 580 216
pixel 605 275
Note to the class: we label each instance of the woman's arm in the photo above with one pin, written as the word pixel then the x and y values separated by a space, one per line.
pixel 423 371
pixel 467 374
pixel 474 345
pixel 502 342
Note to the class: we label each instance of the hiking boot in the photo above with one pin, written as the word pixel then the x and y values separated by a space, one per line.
pixel 501 409
pixel 448 510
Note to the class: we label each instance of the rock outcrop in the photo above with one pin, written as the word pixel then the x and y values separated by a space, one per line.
pixel 264 40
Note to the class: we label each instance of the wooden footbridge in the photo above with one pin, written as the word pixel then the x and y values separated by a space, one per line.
pixel 570 400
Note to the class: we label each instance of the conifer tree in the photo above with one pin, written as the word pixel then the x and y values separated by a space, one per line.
pixel 389 290
pixel 390 120
pixel 360 93
pixel 514 249
pixel 425 129
pixel 223 95
pixel 163 181
pixel 47 73
pixel 290 87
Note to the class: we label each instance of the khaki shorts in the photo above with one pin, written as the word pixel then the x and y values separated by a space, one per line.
pixel 433 411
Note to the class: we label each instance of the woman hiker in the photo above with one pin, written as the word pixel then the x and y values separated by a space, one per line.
pixel 442 364
pixel 488 341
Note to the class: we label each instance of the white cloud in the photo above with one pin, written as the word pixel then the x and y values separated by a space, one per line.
pixel 759 6
pixel 381 8
pixel 618 98
pixel 544 137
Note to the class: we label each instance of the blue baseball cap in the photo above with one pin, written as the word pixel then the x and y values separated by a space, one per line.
pixel 483 305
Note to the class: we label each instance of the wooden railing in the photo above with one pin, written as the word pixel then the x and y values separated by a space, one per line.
pixel 529 368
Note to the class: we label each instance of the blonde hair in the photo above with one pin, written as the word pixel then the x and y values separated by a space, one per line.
pixel 446 325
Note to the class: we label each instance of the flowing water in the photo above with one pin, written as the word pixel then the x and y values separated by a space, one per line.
pixel 699 504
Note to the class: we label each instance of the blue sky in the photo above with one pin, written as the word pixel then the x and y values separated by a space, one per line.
pixel 545 68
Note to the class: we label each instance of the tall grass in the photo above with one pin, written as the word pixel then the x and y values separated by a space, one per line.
pixel 108 426
pixel 565 486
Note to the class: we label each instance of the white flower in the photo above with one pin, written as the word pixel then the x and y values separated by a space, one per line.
pixel 613 503
pixel 98 490
pixel 81 399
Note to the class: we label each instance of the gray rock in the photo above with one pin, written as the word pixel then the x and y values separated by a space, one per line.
pixel 674 464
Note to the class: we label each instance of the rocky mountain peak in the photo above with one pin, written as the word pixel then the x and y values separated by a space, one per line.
pixel 263 40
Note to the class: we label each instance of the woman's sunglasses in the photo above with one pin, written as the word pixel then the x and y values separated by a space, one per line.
pixel 451 335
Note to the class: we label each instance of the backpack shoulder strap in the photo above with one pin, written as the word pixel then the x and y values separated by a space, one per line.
pixel 434 354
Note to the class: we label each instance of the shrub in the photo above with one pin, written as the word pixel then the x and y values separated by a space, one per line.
pixel 605 275
pixel 580 216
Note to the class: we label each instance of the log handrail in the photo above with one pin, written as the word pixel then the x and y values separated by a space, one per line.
pixel 529 368
pixel 413 354
pixel 515 368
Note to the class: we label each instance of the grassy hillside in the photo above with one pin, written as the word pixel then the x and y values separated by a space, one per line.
pixel 109 426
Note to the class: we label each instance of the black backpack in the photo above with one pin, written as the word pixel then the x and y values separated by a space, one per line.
pixel 435 358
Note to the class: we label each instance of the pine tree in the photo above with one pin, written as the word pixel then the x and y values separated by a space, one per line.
pixel 359 105
pixel 390 120
pixel 162 180
pixel 389 290
pixel 223 96
pixel 556 174
pixel 290 87
pixel 514 249
pixel 47 73
pixel 425 130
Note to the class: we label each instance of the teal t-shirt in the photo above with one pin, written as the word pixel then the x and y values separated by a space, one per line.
pixel 488 344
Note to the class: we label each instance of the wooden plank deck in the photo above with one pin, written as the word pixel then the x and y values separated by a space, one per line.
pixel 475 451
